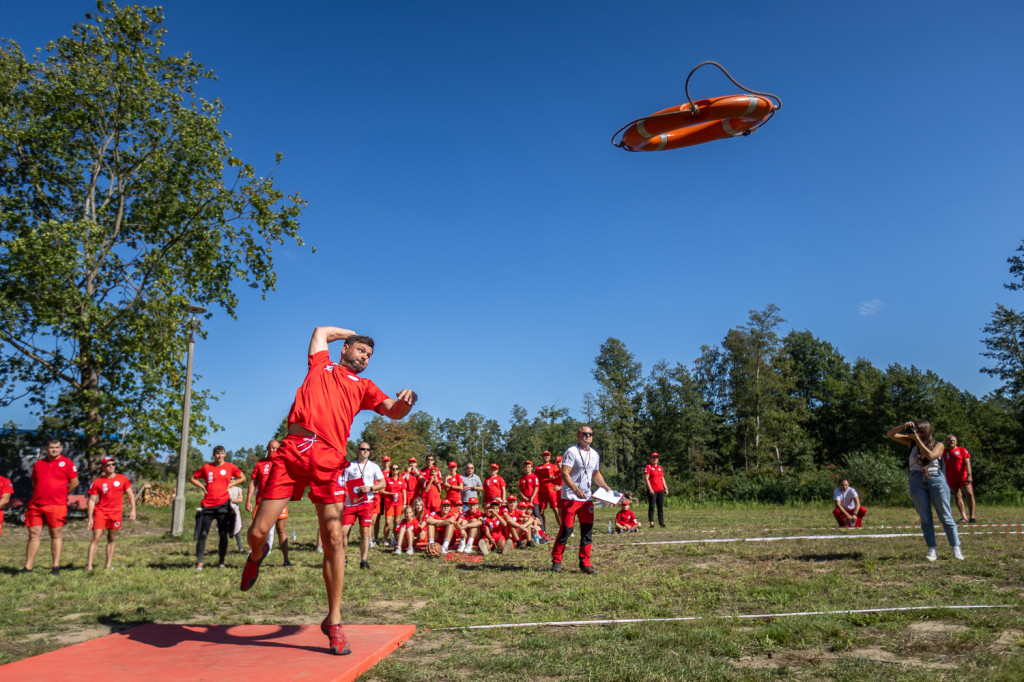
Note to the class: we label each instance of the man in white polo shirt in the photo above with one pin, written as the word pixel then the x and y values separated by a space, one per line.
pixel 362 479
pixel 580 467
pixel 848 512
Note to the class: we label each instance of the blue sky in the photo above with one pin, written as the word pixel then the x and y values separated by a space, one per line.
pixel 470 214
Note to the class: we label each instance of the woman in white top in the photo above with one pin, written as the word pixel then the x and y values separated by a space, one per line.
pixel 928 487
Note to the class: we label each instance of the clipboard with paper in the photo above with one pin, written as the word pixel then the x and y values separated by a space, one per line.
pixel 607 496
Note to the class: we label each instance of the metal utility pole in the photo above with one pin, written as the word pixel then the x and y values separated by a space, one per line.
pixel 178 517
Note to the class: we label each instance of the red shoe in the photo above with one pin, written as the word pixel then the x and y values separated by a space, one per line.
pixel 325 627
pixel 251 571
pixel 339 645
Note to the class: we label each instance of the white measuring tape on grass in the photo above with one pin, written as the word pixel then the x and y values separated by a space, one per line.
pixel 556 623
pixel 845 536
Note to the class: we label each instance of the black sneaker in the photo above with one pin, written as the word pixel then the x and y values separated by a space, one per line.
pixel 364 564
pixel 587 569
pixel 556 566
pixel 55 570
pixel 287 564
pixel 972 521
pixel 25 570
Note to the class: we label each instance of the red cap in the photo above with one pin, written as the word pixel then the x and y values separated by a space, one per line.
pixel 494 466
pixel 446 501
pixel 494 503
pixel 472 500
pixel 655 454
pixel 558 459
pixel 107 460
pixel 546 452
pixel 625 503
pixel 527 462
pixel 453 463
pixel 385 458
pixel 525 505
pixel 412 460
pixel 512 497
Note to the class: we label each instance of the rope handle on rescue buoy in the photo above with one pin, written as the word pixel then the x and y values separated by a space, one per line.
pixel 693 107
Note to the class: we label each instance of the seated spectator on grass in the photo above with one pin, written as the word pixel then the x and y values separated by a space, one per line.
pixel 469 524
pixel 848 512
pixel 495 531
pixel 441 524
pixel 408 531
pixel 625 520
pixel 530 523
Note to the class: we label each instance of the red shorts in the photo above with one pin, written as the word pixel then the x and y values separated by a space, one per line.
pixel 101 521
pixel 52 515
pixel 571 509
pixel 364 512
pixel 394 509
pixel 956 484
pixel 547 496
pixel 499 540
pixel 306 461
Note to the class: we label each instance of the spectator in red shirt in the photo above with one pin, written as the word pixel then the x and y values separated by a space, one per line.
pixel 654 478
pixel 453 485
pixel 260 474
pixel 625 520
pixel 529 486
pixel 413 480
pixel 441 523
pixel 53 479
pixel 958 475
pixel 106 508
pixel 469 525
pixel 214 479
pixel 550 477
pixel 432 485
pixel 495 530
pixel 494 487
pixel 394 502
pixel 6 490
pixel 408 531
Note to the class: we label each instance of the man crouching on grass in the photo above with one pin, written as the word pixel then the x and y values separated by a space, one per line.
pixel 313 456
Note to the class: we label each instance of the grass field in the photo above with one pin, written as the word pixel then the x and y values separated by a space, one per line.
pixel 154 582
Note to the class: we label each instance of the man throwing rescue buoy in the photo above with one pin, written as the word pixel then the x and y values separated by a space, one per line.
pixel 313 456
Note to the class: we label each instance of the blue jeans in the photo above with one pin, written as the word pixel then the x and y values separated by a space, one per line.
pixel 928 493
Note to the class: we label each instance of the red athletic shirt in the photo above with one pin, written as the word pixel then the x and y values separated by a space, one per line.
pixel 395 486
pixel 471 515
pixel 548 474
pixel 453 496
pixel 657 475
pixel 413 525
pixel 217 479
pixel 528 483
pixel 259 476
pixel 441 517
pixel 495 524
pixel 111 493
pixel 5 487
pixel 956 463
pixel 414 485
pixel 625 517
pixel 492 488
pixel 50 481
pixel 329 399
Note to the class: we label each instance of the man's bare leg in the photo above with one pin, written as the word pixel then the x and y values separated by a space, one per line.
pixel 282 543
pixel 259 532
pixel 364 542
pixel 91 554
pixel 111 534
pixel 334 557
pixel 35 535
pixel 56 544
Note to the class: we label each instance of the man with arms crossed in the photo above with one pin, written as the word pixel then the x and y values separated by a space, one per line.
pixel 580 467
pixel 313 456
pixel 53 479
pixel 472 486
pixel 106 508
pixel 362 478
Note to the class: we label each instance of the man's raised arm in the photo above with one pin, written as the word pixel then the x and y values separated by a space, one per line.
pixel 325 335
pixel 401 406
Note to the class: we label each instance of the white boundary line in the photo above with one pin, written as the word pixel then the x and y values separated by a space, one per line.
pixel 845 536
pixel 561 623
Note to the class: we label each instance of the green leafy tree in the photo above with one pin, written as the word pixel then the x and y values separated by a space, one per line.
pixel 120 201
pixel 676 424
pixel 620 379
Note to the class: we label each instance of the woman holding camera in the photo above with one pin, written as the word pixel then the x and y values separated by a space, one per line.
pixel 928 487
